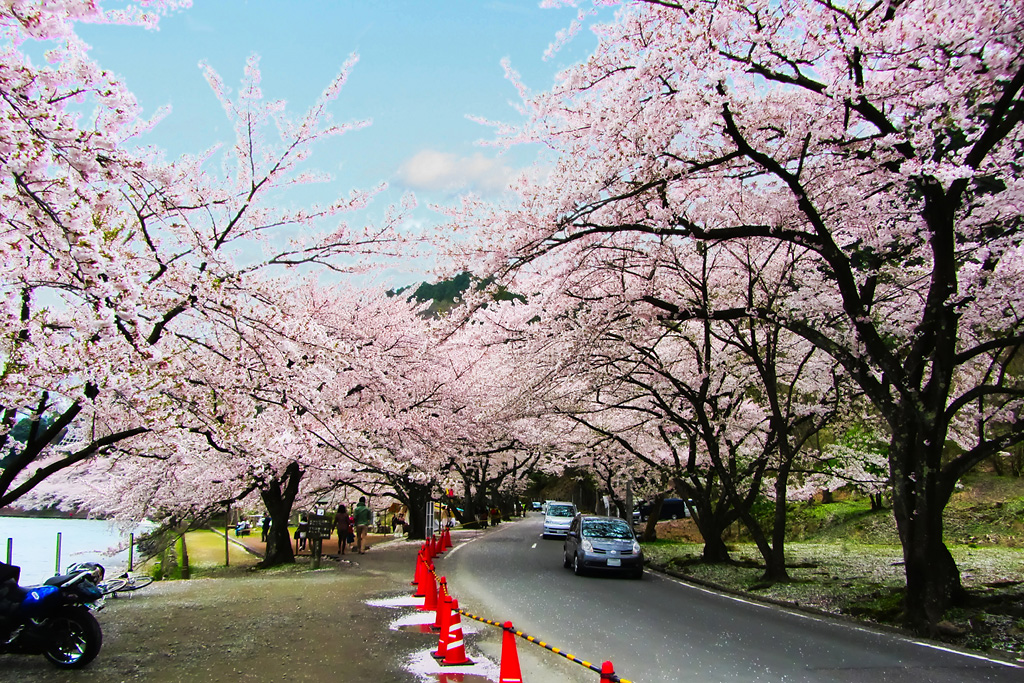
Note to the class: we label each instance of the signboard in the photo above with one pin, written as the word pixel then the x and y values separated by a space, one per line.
pixel 320 527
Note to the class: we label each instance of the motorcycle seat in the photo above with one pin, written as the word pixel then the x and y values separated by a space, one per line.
pixel 60 580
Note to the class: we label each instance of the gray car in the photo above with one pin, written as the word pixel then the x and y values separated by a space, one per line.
pixel 602 543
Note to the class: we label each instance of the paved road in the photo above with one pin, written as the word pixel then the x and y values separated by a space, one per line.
pixel 657 629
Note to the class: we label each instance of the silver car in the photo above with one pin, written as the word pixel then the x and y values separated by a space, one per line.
pixel 604 543
pixel 557 518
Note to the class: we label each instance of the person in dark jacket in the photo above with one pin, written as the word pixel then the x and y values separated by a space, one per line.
pixel 343 523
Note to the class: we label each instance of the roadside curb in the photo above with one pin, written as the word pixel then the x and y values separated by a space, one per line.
pixel 825 614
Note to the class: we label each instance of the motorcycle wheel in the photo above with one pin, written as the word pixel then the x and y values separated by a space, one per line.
pixel 75 639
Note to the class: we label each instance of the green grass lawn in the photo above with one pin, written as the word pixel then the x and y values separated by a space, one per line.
pixel 206 556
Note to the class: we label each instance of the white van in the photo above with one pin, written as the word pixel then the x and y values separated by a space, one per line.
pixel 557 518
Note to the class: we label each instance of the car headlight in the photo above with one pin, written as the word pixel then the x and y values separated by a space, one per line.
pixel 636 547
pixel 588 546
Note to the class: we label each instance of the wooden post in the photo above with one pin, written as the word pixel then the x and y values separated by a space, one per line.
pixel 227 541
pixel 316 547
pixel 183 558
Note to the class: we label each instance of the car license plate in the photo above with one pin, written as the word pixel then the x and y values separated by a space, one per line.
pixel 614 562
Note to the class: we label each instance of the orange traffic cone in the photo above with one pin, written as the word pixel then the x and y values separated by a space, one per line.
pixel 430 601
pixel 446 538
pixel 444 613
pixel 455 655
pixel 608 672
pixel 442 593
pixel 418 574
pixel 436 541
pixel 510 671
pixel 427 577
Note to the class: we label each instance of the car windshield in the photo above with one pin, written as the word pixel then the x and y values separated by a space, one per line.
pixel 606 528
pixel 560 511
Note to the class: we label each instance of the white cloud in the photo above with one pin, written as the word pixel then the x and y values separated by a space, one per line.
pixel 431 170
pixel 415 226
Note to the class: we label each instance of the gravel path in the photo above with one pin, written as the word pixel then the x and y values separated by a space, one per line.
pixel 292 624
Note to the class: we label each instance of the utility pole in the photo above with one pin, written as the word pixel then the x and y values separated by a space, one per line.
pixel 629 501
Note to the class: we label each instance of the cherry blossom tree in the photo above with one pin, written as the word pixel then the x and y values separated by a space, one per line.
pixel 57 185
pixel 121 269
pixel 881 137
pixel 243 429
pixel 430 405
pixel 800 387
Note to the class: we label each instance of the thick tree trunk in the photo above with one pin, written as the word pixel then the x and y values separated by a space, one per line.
pixel 474 500
pixel 715 550
pixel 278 497
pixel 775 562
pixel 651 526
pixel 933 584
pixel 920 494
pixel 711 523
pixel 774 559
pixel 418 496
pixel 712 528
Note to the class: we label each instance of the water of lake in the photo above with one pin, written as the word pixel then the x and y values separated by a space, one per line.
pixel 33 545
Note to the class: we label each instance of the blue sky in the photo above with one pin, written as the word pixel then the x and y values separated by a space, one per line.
pixel 424 65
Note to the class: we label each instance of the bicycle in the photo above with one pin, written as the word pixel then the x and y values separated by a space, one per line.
pixel 111 586
pixel 125 583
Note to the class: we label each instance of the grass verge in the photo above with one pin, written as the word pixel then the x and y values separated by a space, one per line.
pixel 865 582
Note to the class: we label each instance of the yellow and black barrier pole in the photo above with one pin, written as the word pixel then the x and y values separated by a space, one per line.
pixel 607 670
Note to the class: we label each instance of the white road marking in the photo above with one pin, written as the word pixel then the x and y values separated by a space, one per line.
pixel 840 623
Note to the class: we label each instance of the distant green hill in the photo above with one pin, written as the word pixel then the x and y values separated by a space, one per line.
pixel 447 294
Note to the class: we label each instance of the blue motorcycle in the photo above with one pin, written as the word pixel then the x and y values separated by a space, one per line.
pixel 54 620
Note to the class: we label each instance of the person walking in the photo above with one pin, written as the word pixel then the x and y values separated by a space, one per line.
pixel 266 527
pixel 302 531
pixel 363 518
pixel 343 522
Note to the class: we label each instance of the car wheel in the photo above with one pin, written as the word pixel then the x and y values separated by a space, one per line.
pixel 637 574
pixel 565 559
pixel 577 568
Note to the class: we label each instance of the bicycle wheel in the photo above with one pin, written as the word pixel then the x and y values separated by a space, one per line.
pixel 134 583
pixel 112 585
